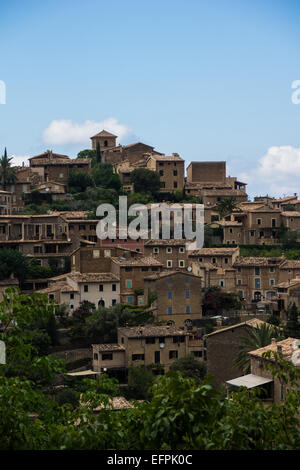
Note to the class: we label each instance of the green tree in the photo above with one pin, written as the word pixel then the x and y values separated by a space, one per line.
pixel 87 153
pixel 226 206
pixel 79 181
pixel 189 366
pixel 140 380
pixel 292 327
pixel 13 262
pixel 255 338
pixel 7 172
pixel 98 153
pixel 145 180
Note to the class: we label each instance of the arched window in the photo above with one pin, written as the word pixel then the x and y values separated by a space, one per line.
pixel 101 303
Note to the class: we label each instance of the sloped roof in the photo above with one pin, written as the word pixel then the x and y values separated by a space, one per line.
pixel 286 348
pixel 254 323
pixel 151 330
pixel 104 133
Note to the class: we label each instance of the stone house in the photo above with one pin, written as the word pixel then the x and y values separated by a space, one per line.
pixel 143 346
pixel 57 168
pixel 262 377
pixel 5 202
pixel 178 297
pixel 171 253
pixel 170 170
pixel 101 289
pixel 222 347
pixel 256 277
pixel 218 257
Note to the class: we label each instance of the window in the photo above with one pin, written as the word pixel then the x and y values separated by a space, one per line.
pixel 258 221
pixel 213 260
pixel 175 172
pixel 178 339
pixel 128 283
pixel 187 279
pixel 239 282
pixel 181 263
pixel 150 340
pixel 257 271
pixel 161 172
pixel 71 307
pixel 128 269
pixel 187 309
pixel 86 288
pixel 226 260
pixel 175 184
pixel 100 287
pixel 257 283
pixel 197 353
pixel 114 287
pixel 113 302
pixel 173 354
pixel 273 222
pixel 181 249
pixel 272 270
pixel 272 282
pixel 222 283
pixel 239 269
pixel 96 253
pixel 187 294
pixel 169 310
pixel 107 356
pixel 107 253
pixel 169 263
pixel 72 295
pixel 170 281
pixel 155 250
pixel 138 357
pixel 51 296
pixel 169 249
pixel 169 294
pixel 96 356
pixel 61 175
pixel 129 300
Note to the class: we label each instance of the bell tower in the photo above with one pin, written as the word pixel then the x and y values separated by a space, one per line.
pixel 106 140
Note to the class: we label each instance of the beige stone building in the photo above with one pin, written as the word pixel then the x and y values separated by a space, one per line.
pixel 261 377
pixel 171 253
pixel 222 347
pixel 178 297
pixel 101 289
pixel 144 346
pixel 57 168
pixel 170 170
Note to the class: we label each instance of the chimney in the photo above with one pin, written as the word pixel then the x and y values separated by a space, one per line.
pixel 273 341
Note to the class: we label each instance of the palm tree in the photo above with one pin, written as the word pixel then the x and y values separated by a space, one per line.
pixel 256 338
pixel 226 205
pixel 7 172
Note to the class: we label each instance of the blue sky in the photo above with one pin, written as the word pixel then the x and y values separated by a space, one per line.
pixel 210 80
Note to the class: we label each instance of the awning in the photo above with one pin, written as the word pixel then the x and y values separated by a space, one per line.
pixel 249 381
pixel 83 372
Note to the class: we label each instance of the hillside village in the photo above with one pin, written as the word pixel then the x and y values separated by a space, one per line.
pixel 172 302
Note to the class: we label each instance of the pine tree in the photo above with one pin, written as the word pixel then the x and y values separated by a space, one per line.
pixel 98 153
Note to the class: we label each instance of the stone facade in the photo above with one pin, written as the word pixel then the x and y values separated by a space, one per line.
pixel 178 297
pixel 222 347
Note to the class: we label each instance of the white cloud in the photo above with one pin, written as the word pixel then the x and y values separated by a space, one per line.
pixel 18 160
pixel 65 131
pixel 277 172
